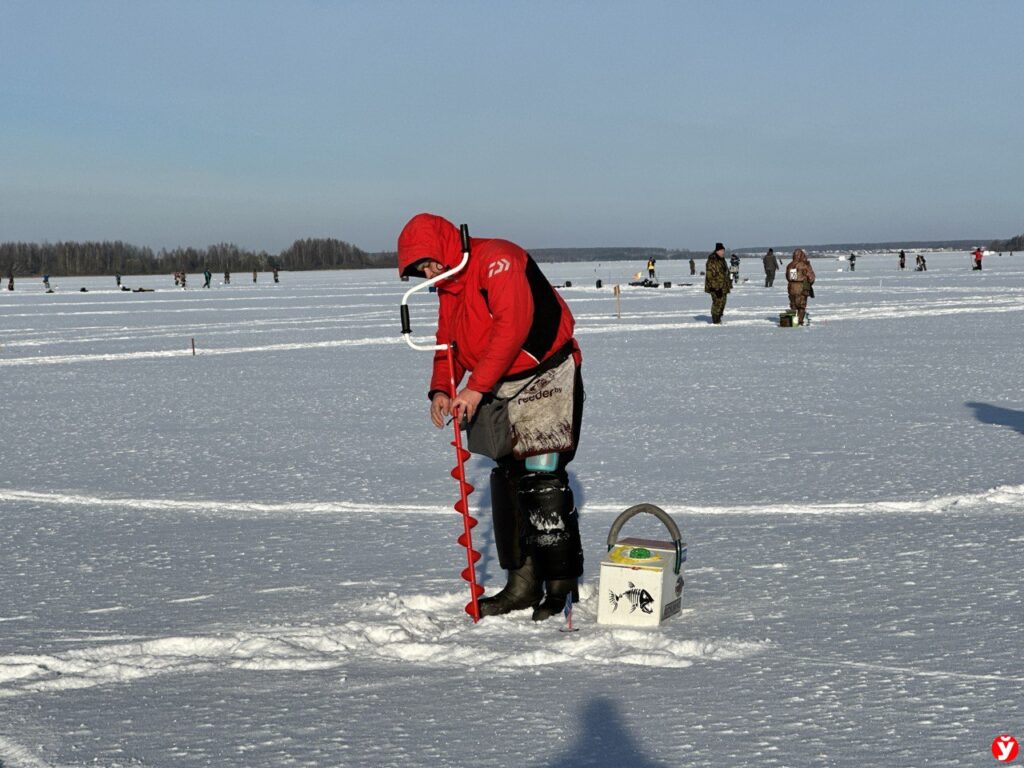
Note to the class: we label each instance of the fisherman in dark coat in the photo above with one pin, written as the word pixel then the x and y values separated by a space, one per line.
pixel 717 282
pixel 734 269
pixel 771 265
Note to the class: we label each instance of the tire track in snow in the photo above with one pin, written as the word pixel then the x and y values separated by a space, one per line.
pixel 909 671
pixel 1001 496
pixel 201 352
pixel 214 506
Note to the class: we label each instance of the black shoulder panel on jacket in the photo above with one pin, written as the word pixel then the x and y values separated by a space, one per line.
pixel 547 313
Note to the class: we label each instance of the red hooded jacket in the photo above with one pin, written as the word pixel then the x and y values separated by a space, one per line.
pixel 500 311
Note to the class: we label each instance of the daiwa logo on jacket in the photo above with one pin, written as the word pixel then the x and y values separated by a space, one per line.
pixel 497 267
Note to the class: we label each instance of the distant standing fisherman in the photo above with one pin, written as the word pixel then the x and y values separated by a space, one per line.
pixel 734 269
pixel 800 277
pixel 693 266
pixel 10 280
pixel 717 282
pixel 770 267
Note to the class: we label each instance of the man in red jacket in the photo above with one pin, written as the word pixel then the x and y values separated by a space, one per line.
pixel 510 330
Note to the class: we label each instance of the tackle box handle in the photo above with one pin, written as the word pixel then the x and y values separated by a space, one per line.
pixel 658 512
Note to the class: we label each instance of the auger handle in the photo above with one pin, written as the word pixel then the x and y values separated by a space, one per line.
pixel 658 512
pixel 406 325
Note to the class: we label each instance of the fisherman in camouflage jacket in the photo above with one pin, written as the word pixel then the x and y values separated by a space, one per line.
pixel 717 282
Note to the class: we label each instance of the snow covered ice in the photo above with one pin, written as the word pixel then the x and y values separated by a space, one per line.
pixel 247 557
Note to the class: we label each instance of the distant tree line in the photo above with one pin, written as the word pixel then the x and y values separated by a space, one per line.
pixel 110 257
pixel 1013 244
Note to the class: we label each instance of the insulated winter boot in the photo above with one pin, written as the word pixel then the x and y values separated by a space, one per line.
pixel 554 539
pixel 522 591
pixel 554 601
pixel 508 526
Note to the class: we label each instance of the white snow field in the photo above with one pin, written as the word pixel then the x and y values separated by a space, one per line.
pixel 247 557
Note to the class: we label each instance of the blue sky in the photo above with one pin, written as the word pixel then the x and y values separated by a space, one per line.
pixel 670 124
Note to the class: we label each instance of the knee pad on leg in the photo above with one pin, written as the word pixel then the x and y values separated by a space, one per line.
pixel 508 527
pixel 552 526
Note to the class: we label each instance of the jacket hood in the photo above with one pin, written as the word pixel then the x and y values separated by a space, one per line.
pixel 428 236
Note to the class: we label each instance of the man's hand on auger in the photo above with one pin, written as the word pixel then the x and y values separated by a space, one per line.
pixel 465 404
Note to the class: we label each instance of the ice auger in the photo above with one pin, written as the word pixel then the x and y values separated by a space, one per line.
pixel 461 454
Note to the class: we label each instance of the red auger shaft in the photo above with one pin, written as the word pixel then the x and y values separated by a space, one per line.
pixel 462 505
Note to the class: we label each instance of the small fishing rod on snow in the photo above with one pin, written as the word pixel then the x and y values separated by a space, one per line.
pixel 461 454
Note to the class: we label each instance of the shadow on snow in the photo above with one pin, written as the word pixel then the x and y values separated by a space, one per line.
pixel 994 414
pixel 602 740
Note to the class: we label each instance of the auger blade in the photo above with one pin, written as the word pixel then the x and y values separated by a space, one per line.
pixel 471 522
pixel 460 451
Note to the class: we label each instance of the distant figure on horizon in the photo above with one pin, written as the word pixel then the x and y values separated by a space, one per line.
pixel 978 253
pixel 227 277
pixel 921 264
pixel 254 273
pixel 770 268
pixel 650 268
pixel 717 282
pixel 184 277
pixel 693 266
pixel 10 280
pixel 46 283
pixel 207 276
pixel 275 271
pixel 177 279
pixel 853 261
pixel 117 277
pixel 734 269
pixel 903 260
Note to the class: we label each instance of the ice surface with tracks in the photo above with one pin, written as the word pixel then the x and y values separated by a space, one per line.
pixel 246 556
